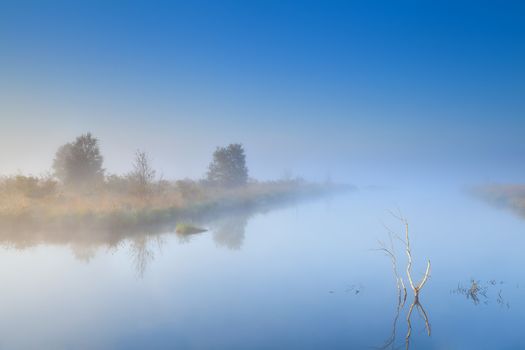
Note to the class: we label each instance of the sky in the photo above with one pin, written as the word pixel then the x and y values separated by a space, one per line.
pixel 367 92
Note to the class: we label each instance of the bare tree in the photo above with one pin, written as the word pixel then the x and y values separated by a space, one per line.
pixel 143 174
pixel 416 287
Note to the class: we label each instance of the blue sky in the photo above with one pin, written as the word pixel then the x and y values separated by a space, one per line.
pixel 357 90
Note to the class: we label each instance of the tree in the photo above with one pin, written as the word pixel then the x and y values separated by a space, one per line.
pixel 142 175
pixel 79 163
pixel 228 167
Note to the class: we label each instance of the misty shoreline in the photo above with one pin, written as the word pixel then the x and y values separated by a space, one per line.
pixel 28 227
pixel 507 196
pixel 80 196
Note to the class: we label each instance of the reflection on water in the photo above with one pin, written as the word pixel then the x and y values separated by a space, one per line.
pixel 401 300
pixel 354 289
pixel 142 251
pixel 423 315
pixel 297 283
pixel 229 231
pixel 143 239
pixel 391 341
pixel 84 253
pixel 390 251
pixel 483 292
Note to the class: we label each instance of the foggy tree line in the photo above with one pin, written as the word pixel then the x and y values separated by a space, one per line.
pixel 79 166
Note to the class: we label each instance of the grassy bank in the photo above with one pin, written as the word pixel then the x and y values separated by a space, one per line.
pixel 506 196
pixel 44 204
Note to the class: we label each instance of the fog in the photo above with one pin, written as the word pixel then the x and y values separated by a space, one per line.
pixel 345 151
pixel 261 174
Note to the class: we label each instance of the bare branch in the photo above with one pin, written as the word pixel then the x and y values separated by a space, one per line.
pixel 400 282
pixel 425 277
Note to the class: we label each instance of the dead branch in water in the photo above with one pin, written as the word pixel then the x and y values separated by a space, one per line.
pixel 416 287
pixel 390 252
pixel 421 284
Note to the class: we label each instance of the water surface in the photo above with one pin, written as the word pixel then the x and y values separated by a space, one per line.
pixel 304 276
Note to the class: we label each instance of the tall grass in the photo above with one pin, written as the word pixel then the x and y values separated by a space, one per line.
pixel 42 201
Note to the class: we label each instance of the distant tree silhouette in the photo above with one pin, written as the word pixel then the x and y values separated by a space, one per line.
pixel 228 167
pixel 79 163
pixel 143 174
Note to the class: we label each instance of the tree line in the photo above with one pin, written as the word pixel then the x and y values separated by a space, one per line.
pixel 79 165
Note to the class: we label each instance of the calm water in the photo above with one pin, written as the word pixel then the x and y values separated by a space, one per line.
pixel 305 276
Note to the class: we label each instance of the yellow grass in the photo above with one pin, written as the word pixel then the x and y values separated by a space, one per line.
pixel 104 202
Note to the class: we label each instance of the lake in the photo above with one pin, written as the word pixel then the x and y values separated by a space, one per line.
pixel 307 275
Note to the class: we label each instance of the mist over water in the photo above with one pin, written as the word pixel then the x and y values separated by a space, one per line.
pixel 261 175
pixel 308 274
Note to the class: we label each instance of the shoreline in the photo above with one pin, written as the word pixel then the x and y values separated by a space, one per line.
pixel 124 221
pixel 505 196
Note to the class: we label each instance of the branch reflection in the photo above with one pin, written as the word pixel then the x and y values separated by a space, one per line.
pixel 401 289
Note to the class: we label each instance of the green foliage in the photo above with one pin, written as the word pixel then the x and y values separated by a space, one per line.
pixel 79 163
pixel 228 167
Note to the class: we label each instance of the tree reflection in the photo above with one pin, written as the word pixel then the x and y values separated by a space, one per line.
pixel 389 250
pixel 84 253
pixel 142 252
pixel 401 299
pixel 86 234
pixel 391 341
pixel 422 313
pixel 229 231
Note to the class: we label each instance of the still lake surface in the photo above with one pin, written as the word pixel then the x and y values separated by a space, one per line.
pixel 304 276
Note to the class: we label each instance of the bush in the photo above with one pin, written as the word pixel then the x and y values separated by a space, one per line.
pixel 30 186
pixel 188 189
pixel 117 184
